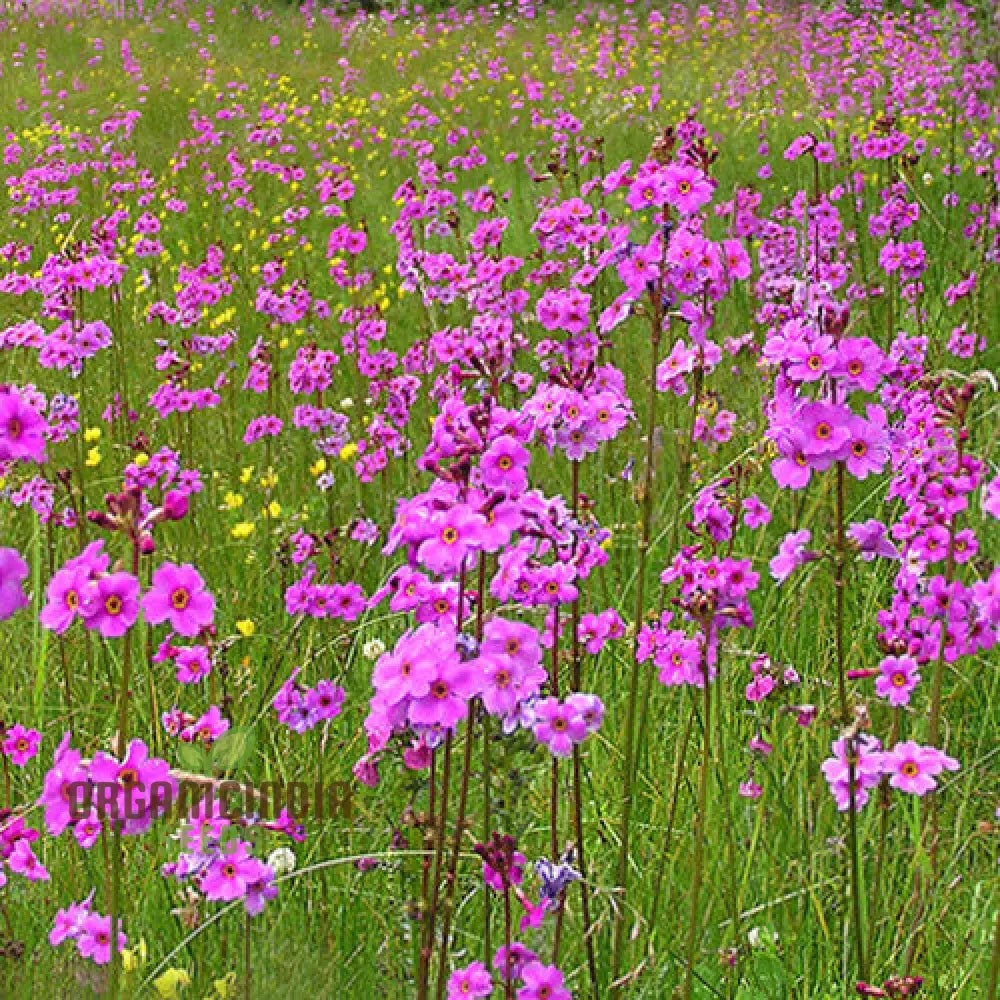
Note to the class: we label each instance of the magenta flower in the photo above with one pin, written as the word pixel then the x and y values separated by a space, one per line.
pixel 912 768
pixel 542 982
pixel 558 726
pixel 810 362
pixel 67 771
pixel 898 677
pixel 326 699
pixel 22 860
pixel 472 981
pixel 447 701
pixel 64 596
pixel 867 767
pixel 13 572
pixel 792 553
pixel 69 922
pixel 792 469
pixel 178 594
pixel 408 670
pixel 94 939
pixel 867 450
pixel 111 604
pixel 22 429
pixel 231 874
pixel 755 513
pixel 503 466
pixel 21 744
pixel 137 801
pixel 194 664
pixel 453 535
pixel 686 188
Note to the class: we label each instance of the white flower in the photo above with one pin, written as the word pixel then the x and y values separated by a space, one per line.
pixel 373 649
pixel 281 861
pixel 761 937
pixel 346 404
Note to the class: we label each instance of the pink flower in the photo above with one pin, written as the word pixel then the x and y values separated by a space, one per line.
pixel 231 874
pixel 21 744
pixel 64 598
pixel 111 605
pixel 409 669
pixel 94 939
pixel 899 676
pixel 447 700
pixel 13 572
pixel 755 512
pixel 23 861
pixel 21 428
pixel 542 982
pixel 65 592
pixel 472 981
pixel 503 466
pixel 792 553
pixel 558 726
pixel 69 922
pixel 792 469
pixel 193 664
pixel 326 699
pixel 178 594
pixel 867 448
pixel 867 769
pixel 686 188
pixel 453 535
pixel 912 768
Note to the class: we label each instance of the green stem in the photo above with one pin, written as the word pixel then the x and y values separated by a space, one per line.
pixel 701 818
pixel 618 946
pixel 860 955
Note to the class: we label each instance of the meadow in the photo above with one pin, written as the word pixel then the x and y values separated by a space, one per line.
pixel 500 501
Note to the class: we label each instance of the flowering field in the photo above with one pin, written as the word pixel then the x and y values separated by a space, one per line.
pixel 500 502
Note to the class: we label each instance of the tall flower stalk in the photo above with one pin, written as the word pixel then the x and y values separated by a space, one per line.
pixel 632 704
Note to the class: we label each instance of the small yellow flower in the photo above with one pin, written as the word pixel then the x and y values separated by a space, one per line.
pixel 92 434
pixel 269 481
pixel 225 988
pixel 132 958
pixel 142 460
pixel 246 475
pixel 246 627
pixel 171 983
pixel 232 500
pixel 93 458
pixel 242 530
pixel 272 510
pixel 318 467
pixel 348 451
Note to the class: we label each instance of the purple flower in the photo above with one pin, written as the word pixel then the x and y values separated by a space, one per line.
pixel 792 553
pixel 870 537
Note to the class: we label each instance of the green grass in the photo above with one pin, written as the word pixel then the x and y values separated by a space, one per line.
pixel 335 931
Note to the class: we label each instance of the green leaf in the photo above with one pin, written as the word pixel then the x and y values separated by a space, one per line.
pixel 233 748
pixel 193 757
